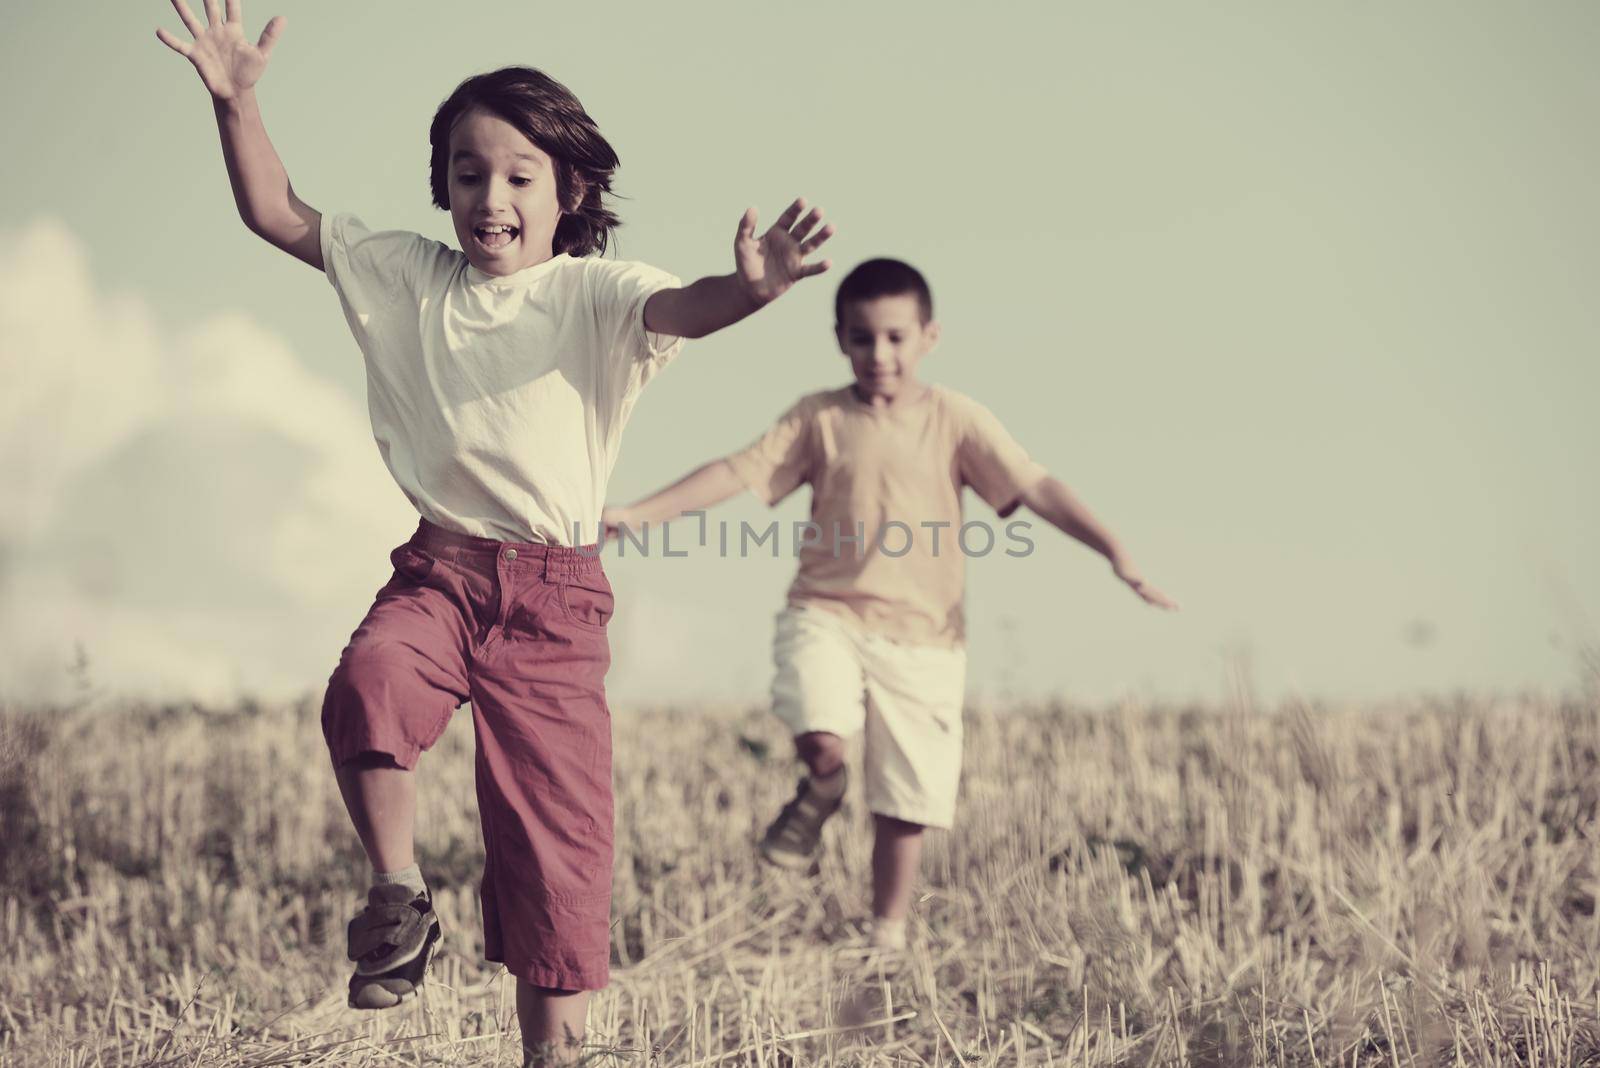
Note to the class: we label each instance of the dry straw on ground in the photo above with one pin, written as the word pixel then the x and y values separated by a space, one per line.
pixel 1399 885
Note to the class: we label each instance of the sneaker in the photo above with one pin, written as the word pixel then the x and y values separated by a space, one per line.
pixel 795 837
pixel 392 942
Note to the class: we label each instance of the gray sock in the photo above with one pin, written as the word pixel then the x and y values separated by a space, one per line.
pixel 410 878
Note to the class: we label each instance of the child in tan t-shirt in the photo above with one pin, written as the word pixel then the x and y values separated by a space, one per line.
pixel 872 636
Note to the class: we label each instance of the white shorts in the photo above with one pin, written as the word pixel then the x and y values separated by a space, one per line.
pixel 833 676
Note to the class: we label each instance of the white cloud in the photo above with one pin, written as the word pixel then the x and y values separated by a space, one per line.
pixel 191 507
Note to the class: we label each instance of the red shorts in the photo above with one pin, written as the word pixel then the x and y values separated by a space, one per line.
pixel 519 629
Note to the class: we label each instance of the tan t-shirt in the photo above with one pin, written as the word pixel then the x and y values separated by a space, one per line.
pixel 888 547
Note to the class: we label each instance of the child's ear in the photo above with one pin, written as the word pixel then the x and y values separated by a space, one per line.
pixel 930 335
pixel 574 189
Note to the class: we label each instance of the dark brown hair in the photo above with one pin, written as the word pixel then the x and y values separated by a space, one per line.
pixel 546 113
pixel 883 278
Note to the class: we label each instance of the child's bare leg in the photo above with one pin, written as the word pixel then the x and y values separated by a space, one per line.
pixel 552 1024
pixel 381 798
pixel 823 753
pixel 896 855
pixel 391 957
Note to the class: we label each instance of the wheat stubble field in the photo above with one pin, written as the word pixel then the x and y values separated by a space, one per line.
pixel 1402 884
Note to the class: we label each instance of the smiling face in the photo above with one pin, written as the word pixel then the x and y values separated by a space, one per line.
pixel 884 339
pixel 503 195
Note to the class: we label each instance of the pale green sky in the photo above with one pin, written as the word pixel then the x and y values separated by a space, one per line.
pixel 1300 298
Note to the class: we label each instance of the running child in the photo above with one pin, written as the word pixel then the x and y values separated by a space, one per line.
pixel 500 375
pixel 872 637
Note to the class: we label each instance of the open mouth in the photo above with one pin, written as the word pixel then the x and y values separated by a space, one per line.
pixel 495 238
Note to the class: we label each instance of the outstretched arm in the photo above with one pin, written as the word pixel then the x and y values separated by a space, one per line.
pixel 764 269
pixel 1058 506
pixel 229 66
pixel 701 488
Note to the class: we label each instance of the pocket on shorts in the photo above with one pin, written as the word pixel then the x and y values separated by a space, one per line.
pixel 587 603
pixel 412 564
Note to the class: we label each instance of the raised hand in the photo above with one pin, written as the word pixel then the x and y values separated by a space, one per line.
pixel 227 63
pixel 1130 574
pixel 770 264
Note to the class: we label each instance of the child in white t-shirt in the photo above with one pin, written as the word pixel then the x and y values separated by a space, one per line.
pixel 500 377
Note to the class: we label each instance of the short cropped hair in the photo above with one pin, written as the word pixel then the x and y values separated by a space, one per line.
pixel 546 113
pixel 883 278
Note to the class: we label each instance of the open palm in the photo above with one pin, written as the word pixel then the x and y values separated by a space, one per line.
pixel 770 264
pixel 226 61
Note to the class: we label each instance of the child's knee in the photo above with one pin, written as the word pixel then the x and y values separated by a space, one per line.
pixel 822 751
pixel 367 664
pixel 380 702
pixel 358 674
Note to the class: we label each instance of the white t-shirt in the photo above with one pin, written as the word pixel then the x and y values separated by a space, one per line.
pixel 498 403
